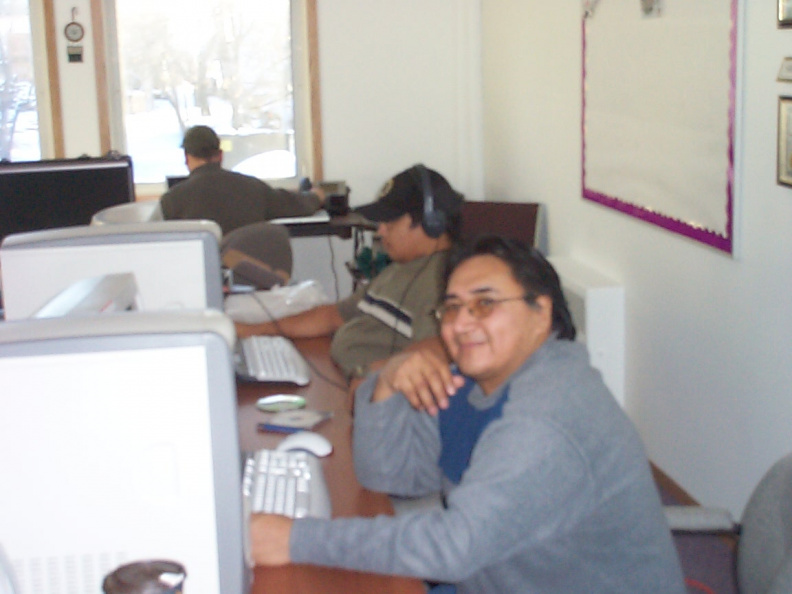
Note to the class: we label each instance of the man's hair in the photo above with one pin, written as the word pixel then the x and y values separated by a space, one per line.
pixel 201 142
pixel 529 268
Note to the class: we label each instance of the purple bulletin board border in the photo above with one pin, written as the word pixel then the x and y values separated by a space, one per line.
pixel 723 242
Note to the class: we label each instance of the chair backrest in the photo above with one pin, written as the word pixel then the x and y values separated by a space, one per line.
pixel 267 242
pixel 515 220
pixel 133 212
pixel 764 561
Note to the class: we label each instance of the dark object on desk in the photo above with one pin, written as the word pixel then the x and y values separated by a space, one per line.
pixel 336 198
pixel 36 195
pixel 175 179
pixel 337 205
pixel 515 220
pixel 146 577
pixel 764 549
pixel 305 184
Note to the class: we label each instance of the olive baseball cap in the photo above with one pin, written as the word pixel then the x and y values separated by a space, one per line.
pixel 404 194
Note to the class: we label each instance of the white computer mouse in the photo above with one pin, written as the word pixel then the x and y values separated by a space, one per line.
pixel 316 444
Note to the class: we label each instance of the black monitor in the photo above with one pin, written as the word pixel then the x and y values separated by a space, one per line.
pixel 175 179
pixel 56 193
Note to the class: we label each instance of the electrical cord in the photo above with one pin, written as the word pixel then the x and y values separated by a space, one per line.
pixel 333 267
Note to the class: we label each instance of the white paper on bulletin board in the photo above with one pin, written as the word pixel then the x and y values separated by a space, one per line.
pixel 658 114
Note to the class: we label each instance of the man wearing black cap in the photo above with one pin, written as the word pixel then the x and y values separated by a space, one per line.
pixel 230 199
pixel 418 216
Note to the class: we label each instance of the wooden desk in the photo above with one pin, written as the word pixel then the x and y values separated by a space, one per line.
pixel 348 497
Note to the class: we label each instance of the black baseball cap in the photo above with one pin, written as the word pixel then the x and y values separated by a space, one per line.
pixel 404 194
pixel 201 142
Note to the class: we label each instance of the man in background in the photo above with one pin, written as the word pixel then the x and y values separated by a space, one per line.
pixel 394 310
pixel 230 199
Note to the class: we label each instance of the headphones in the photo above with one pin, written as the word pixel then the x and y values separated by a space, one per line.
pixel 433 221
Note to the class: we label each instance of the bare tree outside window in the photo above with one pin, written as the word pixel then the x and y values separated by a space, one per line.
pixel 222 63
pixel 19 123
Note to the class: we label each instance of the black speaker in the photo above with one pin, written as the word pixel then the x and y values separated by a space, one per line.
pixel 433 221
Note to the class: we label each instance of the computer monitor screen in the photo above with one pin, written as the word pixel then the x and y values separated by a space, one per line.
pixel 62 192
pixel 175 179
pixel 120 443
pixel 176 264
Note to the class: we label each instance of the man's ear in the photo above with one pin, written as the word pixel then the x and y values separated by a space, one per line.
pixel 544 303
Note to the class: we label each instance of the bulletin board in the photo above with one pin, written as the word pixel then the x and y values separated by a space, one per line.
pixel 658 114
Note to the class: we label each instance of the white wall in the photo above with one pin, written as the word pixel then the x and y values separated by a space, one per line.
pixel 400 83
pixel 709 337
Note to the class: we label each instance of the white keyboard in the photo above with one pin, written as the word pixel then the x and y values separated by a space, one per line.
pixel 320 216
pixel 272 359
pixel 289 483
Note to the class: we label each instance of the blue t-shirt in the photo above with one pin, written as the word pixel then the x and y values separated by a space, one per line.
pixel 461 425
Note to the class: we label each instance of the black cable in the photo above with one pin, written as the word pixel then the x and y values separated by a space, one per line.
pixel 333 267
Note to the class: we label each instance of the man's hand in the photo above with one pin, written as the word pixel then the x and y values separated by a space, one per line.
pixel 422 375
pixel 269 539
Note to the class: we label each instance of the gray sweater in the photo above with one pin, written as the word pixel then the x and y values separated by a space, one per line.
pixel 558 496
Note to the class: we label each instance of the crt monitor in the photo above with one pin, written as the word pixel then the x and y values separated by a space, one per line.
pixel 56 193
pixel 176 264
pixel 120 443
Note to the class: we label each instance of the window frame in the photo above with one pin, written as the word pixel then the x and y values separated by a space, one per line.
pixel 305 66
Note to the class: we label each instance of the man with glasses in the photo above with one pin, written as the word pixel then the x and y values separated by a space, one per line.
pixel 546 484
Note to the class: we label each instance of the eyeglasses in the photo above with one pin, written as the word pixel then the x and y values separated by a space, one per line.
pixel 479 308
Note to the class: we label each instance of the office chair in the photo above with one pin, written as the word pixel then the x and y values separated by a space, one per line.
pixel 524 221
pixel 764 548
pixel 132 212
pixel 259 254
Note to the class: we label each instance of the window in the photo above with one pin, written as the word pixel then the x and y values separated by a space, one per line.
pixel 234 65
pixel 19 120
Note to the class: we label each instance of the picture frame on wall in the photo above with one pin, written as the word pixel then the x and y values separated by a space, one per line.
pixel 785 141
pixel 785 13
